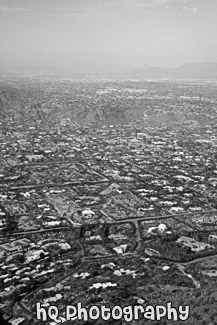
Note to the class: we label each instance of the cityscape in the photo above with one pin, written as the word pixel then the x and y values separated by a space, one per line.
pixel 107 195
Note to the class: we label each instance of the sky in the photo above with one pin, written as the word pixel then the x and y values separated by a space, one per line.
pixel 97 34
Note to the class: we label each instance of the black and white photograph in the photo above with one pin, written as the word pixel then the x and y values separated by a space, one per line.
pixel 108 162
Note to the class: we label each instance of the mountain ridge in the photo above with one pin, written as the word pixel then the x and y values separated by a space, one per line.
pixel 199 70
pixel 187 70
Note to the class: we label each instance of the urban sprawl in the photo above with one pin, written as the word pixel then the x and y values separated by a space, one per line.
pixel 107 196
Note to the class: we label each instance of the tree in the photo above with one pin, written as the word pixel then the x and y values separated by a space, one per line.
pixel 12 224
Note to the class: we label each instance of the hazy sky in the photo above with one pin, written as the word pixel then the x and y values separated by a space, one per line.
pixel 93 33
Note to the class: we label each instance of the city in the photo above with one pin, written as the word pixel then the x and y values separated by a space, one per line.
pixel 107 194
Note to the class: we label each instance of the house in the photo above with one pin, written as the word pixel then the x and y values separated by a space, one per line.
pixel 98 250
pixel 34 157
pixel 212 238
pixel 24 242
pixel 194 245
pixel 9 248
pixel 17 321
pixel 151 252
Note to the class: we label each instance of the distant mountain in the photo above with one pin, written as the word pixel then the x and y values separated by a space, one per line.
pixel 204 70
pixel 201 70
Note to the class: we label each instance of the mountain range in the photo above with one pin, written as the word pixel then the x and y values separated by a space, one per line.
pixel 205 70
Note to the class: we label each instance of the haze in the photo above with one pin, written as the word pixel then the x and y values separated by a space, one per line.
pixel 98 34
